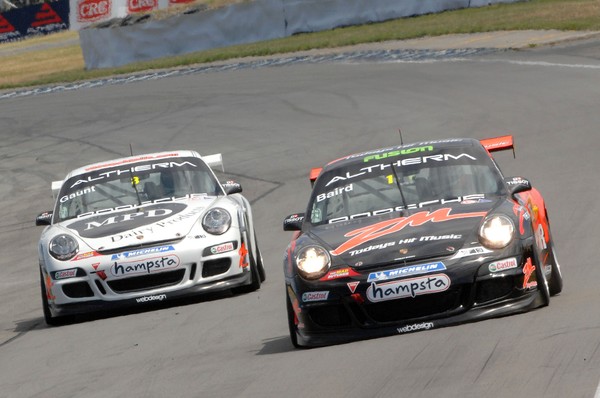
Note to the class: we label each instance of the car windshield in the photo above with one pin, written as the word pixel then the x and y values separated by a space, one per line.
pixel 124 187
pixel 403 179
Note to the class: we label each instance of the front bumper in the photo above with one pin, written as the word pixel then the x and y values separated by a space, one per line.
pixel 345 309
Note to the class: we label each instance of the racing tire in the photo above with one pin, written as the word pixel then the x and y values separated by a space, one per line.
pixel 542 282
pixel 48 318
pixel 291 323
pixel 256 281
pixel 555 283
pixel 259 261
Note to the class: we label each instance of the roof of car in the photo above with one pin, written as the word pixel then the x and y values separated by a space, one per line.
pixel 361 156
pixel 132 160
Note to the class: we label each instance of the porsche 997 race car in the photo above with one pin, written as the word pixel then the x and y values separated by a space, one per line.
pixel 415 237
pixel 145 229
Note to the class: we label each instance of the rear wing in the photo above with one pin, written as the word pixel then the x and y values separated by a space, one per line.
pixel 314 173
pixel 498 143
pixel 56 185
pixel 213 161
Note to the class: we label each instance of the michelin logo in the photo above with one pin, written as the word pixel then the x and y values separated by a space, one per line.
pixel 141 252
pixel 406 271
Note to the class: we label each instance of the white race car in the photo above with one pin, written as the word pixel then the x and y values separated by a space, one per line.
pixel 145 229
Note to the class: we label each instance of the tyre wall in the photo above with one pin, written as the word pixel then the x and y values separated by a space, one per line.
pixel 128 40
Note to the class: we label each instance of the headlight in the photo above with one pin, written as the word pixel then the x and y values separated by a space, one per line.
pixel 63 247
pixel 496 232
pixel 313 262
pixel 216 221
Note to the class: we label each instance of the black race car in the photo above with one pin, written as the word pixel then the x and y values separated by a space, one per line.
pixel 415 237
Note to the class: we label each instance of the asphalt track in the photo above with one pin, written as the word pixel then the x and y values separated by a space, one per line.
pixel 272 125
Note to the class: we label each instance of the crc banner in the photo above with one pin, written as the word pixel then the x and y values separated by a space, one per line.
pixel 38 19
pixel 87 12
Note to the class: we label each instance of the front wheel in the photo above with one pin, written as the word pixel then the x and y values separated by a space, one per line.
pixel 292 322
pixel 256 279
pixel 48 318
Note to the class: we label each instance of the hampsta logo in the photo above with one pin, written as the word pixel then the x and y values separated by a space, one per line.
pixel 146 266
pixel 408 288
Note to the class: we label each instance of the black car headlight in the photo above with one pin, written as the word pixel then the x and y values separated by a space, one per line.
pixel 313 262
pixel 216 221
pixel 63 247
pixel 496 232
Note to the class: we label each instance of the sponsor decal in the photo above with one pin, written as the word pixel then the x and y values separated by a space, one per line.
pixel 293 219
pixel 120 218
pixel 365 234
pixel 397 152
pixel 93 10
pixel 46 16
pixel 528 270
pixel 145 266
pixel 540 237
pixel 414 206
pixel 48 283
pixel 243 253
pixel 339 273
pixel 352 286
pixel 371 248
pixel 145 299
pixel 315 296
pixel 141 5
pixel 471 251
pixel 503 265
pixel 90 178
pixel 64 274
pixel 5 26
pixel 442 157
pixel 83 256
pixel 192 196
pixel 142 252
pixel 223 248
pixel 382 150
pixel 439 237
pixel 415 327
pixel 408 288
pixel 335 192
pixel 406 271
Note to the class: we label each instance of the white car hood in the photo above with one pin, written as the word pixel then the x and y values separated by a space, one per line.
pixel 156 222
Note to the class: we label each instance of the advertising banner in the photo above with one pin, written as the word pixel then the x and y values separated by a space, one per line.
pixel 37 19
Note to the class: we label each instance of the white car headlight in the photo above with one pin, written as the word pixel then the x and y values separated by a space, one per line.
pixel 216 221
pixel 496 232
pixel 313 262
pixel 63 247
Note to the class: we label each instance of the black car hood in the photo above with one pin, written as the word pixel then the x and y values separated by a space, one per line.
pixel 417 234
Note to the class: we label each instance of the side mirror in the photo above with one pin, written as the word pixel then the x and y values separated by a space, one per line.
pixel 232 187
pixel 293 222
pixel 44 218
pixel 517 185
